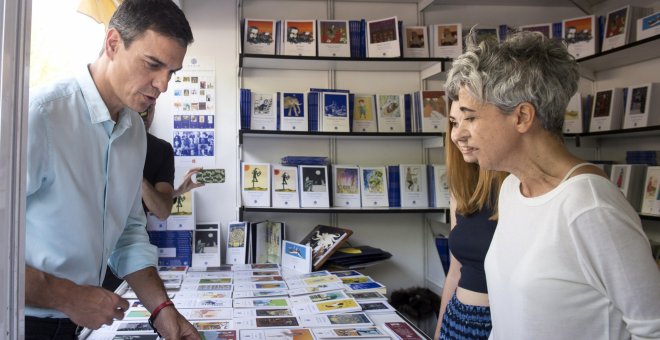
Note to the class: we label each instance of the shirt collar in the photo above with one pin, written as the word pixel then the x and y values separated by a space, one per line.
pixel 98 111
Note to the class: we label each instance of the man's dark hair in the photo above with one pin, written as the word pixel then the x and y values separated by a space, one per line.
pixel 133 17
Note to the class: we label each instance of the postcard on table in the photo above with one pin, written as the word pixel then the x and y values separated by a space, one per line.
pixel 335 320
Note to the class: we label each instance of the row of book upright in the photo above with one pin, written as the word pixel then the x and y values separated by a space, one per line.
pixel 388 37
pixel 638 182
pixel 613 109
pixel 348 186
pixel 332 110
pixel 267 302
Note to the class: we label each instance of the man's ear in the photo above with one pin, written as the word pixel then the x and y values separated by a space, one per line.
pixel 112 42
pixel 525 114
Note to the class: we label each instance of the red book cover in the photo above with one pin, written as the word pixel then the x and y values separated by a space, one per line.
pixel 403 330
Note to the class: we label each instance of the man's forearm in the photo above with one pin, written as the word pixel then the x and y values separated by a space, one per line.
pixel 148 286
pixel 158 202
pixel 44 290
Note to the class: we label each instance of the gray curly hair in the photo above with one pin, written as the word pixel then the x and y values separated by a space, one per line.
pixel 527 67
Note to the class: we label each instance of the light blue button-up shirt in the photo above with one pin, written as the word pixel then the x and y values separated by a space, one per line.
pixel 83 187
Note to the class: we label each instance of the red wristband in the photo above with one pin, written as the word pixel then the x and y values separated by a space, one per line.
pixel 157 310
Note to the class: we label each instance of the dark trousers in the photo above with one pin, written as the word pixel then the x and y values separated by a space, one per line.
pixel 50 329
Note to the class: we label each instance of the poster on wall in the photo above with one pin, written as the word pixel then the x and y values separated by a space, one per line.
pixel 193 113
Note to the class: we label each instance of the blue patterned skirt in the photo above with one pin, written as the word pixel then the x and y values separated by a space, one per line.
pixel 465 322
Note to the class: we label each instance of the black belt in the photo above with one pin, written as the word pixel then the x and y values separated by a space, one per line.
pixel 50 329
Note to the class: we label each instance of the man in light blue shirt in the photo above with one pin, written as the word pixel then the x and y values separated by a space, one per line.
pixel 86 152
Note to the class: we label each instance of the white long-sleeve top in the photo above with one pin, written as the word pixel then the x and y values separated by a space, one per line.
pixel 573 263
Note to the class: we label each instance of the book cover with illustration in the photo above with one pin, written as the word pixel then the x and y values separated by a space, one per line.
pixel 325 240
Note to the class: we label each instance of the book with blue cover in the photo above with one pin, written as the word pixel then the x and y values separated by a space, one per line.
pixel 293 111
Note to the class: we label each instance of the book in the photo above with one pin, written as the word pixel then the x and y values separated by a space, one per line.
pixel 414 190
pixel 255 184
pixel 182 216
pixel 402 331
pixel 438 186
pixel 545 29
pixel 297 257
pixel 293 111
pixel 334 117
pixel 648 26
pixel 573 116
pixel 651 196
pixel 259 36
pixel 391 116
pixel 364 113
pixel 629 178
pixel 261 312
pixel 483 33
pixel 617 28
pixel 313 186
pixel 434 111
pixel 358 256
pixel 206 239
pixel 374 187
pixel 446 40
pixel 299 38
pixel 643 106
pixel 285 187
pixel 263 113
pixel 237 242
pixel 580 35
pixel 383 38
pixel 416 44
pixel 334 38
pixel 325 240
pixel 607 111
pixel 266 238
pixel 346 183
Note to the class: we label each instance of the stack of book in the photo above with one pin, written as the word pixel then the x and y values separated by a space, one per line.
pixel 264 301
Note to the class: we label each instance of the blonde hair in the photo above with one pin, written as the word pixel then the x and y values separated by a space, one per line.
pixel 472 188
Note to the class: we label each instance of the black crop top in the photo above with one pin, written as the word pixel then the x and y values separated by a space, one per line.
pixel 469 242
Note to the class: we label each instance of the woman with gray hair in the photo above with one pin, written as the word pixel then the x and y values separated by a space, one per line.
pixel 569 258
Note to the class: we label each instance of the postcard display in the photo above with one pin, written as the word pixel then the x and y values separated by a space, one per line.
pixel 266 301
pixel 193 91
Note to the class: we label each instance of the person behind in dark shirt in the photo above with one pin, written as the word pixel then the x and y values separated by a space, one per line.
pixel 158 191
pixel 158 182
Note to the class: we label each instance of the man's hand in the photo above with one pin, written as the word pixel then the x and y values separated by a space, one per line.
pixel 173 326
pixel 188 183
pixel 86 306
pixel 93 307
